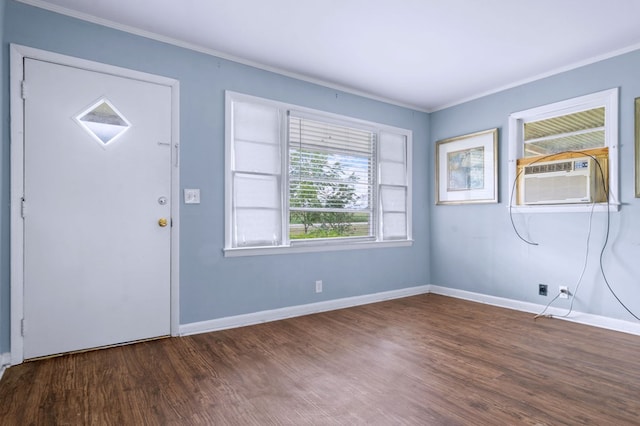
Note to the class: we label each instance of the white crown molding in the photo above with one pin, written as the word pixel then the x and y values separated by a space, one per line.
pixel 211 52
pixel 537 77
pixel 42 4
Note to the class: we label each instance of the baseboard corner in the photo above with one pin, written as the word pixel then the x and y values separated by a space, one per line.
pixel 5 362
pixel 599 321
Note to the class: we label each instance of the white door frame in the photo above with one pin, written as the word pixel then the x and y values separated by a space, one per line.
pixel 17 55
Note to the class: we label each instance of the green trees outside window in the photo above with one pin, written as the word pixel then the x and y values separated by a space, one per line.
pixel 327 198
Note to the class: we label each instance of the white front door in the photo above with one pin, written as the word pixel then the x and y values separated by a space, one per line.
pixel 97 193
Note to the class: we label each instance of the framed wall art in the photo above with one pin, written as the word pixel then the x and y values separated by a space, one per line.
pixel 467 168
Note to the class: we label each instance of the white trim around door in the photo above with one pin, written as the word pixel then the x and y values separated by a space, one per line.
pixel 17 55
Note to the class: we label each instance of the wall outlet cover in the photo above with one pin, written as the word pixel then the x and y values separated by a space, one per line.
pixel 564 292
pixel 542 289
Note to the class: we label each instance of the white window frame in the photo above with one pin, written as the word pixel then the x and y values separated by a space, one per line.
pixel 302 246
pixel 606 98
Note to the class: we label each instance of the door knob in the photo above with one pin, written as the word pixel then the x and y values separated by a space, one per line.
pixel 162 222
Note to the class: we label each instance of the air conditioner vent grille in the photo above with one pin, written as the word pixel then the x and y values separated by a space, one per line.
pixel 559 182
pixel 565 166
pixel 558 190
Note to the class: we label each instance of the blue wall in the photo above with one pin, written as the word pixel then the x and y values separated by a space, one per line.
pixel 474 247
pixel 212 286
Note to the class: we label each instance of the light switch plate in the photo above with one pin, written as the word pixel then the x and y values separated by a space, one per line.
pixel 192 196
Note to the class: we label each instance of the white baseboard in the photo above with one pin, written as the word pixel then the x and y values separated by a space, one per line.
pixel 329 305
pixel 5 362
pixel 577 317
pixel 295 311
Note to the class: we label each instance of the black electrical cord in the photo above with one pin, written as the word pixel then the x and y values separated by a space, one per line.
pixel 606 241
pixel 607 233
pixel 515 181
pixel 513 189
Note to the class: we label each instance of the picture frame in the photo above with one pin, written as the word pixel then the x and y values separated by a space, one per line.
pixel 467 168
pixel 637 145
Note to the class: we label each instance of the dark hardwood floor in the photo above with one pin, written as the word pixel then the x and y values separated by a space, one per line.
pixel 423 360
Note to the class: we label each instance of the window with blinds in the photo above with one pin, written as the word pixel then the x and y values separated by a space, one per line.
pixel 331 180
pixel 301 179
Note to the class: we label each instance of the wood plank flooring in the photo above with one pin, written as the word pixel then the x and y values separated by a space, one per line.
pixel 423 360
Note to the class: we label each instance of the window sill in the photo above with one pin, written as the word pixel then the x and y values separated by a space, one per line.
pixel 565 208
pixel 313 248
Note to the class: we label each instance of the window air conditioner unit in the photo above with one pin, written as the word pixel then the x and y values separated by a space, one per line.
pixel 568 181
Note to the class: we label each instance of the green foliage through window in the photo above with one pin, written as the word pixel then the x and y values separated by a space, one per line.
pixel 329 184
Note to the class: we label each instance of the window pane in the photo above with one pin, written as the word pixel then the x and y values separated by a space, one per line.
pixel 577 142
pixel 256 122
pixel 256 191
pixel 392 153
pixel 570 132
pixel 394 199
pixel 103 121
pixel 257 210
pixel 392 174
pixel 330 180
pixel 257 227
pixel 394 226
pixel 583 120
pixel 319 224
pixel 257 157
pixel 392 147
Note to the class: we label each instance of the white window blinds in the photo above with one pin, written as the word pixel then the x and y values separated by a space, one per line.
pixel 256 175
pixel 394 186
pixel 331 180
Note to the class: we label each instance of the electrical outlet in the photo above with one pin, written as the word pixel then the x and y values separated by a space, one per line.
pixel 564 292
pixel 542 289
pixel 319 286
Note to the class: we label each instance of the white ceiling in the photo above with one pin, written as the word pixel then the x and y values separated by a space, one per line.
pixel 426 54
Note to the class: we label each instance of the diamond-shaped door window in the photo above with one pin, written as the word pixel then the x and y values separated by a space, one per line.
pixel 103 121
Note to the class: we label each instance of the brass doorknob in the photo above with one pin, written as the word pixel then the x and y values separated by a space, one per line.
pixel 162 222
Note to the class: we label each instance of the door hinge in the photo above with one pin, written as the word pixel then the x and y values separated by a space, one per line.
pixel 23 89
pixel 22 327
pixel 23 208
